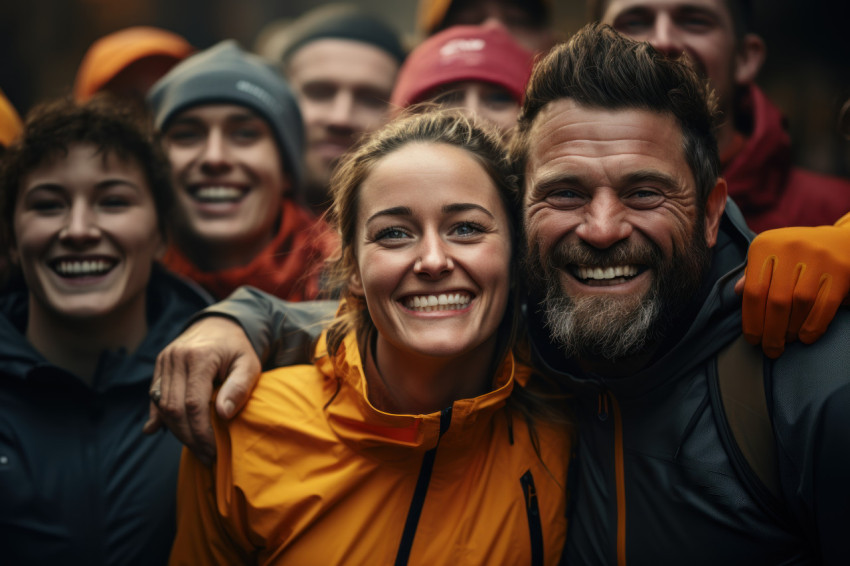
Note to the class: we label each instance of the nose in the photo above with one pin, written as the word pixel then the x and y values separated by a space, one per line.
pixel 81 228
pixel 434 259
pixel 216 153
pixel 472 102
pixel 604 222
pixel 666 37
pixel 341 112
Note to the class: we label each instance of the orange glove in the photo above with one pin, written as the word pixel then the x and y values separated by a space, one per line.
pixel 796 279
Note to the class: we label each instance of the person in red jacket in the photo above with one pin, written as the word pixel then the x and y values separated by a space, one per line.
pixel 755 148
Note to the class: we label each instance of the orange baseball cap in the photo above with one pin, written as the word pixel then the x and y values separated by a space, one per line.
pixel 113 53
pixel 432 13
pixel 10 122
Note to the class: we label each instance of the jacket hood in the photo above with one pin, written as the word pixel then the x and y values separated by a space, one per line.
pixel 717 320
pixel 171 301
pixel 757 175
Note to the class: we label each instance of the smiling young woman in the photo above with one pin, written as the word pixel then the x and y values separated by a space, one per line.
pixel 85 201
pixel 417 436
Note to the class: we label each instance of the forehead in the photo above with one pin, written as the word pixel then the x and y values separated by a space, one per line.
pixel 83 162
pixel 568 139
pixel 613 8
pixel 333 60
pixel 428 173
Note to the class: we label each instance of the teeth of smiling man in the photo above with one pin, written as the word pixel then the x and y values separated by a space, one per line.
pixel 600 273
pixel 218 193
pixel 444 302
pixel 94 267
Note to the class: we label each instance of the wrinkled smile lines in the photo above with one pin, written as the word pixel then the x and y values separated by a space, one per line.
pixel 438 302
pixel 82 267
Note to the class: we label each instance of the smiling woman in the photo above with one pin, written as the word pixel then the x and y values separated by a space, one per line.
pixel 417 436
pixel 85 198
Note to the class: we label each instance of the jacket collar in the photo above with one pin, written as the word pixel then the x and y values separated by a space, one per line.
pixel 359 423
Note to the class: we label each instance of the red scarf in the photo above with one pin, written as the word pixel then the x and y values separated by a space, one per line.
pixel 289 267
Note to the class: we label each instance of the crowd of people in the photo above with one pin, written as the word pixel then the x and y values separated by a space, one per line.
pixel 500 297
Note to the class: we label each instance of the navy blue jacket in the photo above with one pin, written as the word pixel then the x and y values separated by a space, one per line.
pixel 79 482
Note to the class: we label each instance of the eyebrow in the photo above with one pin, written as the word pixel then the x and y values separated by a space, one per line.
pixel 640 176
pixel 101 186
pixel 447 209
pixel 651 176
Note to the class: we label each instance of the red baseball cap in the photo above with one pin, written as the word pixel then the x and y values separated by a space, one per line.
pixel 463 53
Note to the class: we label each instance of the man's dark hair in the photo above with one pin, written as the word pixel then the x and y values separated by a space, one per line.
pixel 741 12
pixel 599 68
pixel 113 128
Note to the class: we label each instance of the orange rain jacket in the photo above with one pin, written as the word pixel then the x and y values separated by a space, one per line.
pixel 311 473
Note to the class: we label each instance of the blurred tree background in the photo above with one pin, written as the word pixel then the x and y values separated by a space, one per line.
pixel 807 72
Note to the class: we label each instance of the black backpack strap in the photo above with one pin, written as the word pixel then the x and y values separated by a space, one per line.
pixel 740 376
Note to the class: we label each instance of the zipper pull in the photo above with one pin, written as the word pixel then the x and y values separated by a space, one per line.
pixel 602 411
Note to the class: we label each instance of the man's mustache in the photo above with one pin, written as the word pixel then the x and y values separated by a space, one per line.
pixel 621 253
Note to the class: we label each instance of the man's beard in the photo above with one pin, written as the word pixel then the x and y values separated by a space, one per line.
pixel 614 327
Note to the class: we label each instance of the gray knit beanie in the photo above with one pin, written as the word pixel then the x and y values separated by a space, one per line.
pixel 341 21
pixel 226 74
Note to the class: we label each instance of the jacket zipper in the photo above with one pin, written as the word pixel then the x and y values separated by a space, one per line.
pixel 419 493
pixel 607 404
pixel 535 529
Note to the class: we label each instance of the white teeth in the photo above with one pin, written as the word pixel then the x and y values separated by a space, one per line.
pixel 607 273
pixel 218 194
pixel 442 302
pixel 93 267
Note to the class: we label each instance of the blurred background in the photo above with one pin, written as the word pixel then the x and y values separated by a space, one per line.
pixel 807 73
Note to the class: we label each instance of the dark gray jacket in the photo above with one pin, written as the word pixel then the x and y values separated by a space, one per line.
pixel 657 478
pixel 79 482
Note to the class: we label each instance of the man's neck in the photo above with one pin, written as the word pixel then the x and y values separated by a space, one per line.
pixel 616 369
pixel 217 256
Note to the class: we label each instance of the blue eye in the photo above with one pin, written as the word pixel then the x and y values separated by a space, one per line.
pixel 391 233
pixel 467 229
pixel 565 198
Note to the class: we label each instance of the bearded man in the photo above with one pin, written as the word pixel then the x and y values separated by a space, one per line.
pixel 633 264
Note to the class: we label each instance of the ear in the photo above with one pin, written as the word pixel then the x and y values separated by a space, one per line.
pixel 161 248
pixel 749 58
pixel 714 208
pixel 355 284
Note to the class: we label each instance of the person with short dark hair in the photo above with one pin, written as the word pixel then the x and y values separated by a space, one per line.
pixel 342 62
pixel 86 198
pixel 632 264
pixel 755 148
